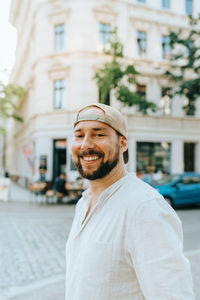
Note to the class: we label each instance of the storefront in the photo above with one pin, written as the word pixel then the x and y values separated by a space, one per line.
pixel 59 157
pixel 152 157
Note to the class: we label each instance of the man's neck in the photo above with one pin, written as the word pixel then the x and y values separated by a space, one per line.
pixel 99 185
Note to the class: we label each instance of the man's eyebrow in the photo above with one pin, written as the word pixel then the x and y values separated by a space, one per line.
pixel 100 128
pixel 94 128
pixel 77 130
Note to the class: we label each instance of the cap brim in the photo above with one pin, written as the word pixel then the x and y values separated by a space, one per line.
pixel 125 156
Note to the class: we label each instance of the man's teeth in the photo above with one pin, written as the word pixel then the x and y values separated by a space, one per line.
pixel 88 158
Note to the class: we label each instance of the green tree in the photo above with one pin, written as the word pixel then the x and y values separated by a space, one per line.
pixel 120 77
pixel 184 70
pixel 10 97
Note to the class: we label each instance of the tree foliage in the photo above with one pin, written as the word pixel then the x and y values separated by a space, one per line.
pixel 120 77
pixel 184 71
pixel 10 97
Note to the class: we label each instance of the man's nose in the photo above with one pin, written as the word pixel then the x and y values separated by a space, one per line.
pixel 87 143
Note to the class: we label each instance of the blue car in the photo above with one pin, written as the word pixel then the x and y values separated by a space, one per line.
pixel 181 189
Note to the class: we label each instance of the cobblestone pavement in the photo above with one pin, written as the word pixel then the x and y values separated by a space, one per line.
pixel 32 249
pixel 32 246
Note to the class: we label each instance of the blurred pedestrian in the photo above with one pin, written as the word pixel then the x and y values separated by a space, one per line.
pixel 125 241
pixel 59 184
pixel 42 171
pixel 157 175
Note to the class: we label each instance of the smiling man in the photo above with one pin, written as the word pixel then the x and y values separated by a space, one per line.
pixel 125 241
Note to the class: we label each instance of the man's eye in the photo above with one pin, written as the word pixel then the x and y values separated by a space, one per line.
pixel 100 134
pixel 78 136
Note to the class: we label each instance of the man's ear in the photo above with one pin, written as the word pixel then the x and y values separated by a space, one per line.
pixel 123 143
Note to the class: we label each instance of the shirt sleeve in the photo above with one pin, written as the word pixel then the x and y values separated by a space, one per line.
pixel 155 248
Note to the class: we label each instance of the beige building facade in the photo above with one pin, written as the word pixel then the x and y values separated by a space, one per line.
pixel 60 47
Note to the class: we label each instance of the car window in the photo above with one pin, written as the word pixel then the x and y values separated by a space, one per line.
pixel 195 179
pixel 167 179
pixel 190 180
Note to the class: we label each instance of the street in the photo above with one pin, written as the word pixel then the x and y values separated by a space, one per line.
pixel 32 249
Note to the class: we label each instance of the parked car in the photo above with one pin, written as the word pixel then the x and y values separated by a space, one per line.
pixel 183 189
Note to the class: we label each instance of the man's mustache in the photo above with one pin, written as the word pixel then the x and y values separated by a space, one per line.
pixel 90 152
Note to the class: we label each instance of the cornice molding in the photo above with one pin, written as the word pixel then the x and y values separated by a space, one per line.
pixel 59 16
pixel 106 13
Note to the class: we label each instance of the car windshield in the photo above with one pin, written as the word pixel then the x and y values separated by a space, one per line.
pixel 166 179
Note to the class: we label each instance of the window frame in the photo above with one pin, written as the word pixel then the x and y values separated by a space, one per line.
pixel 141 42
pixel 59 94
pixel 60 37
pixel 164 2
pixel 189 7
pixel 165 46
pixel 104 33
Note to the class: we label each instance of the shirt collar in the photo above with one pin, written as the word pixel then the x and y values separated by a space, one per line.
pixel 109 191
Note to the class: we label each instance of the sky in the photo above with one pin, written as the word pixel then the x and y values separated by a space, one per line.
pixel 8 39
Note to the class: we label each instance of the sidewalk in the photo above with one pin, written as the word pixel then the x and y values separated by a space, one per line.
pixel 32 247
pixel 19 193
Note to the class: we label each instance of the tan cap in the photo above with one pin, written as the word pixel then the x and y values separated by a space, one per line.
pixel 111 117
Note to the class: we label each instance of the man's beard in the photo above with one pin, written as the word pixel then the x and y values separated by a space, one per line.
pixel 104 169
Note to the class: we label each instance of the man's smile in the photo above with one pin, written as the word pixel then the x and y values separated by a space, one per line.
pixel 90 157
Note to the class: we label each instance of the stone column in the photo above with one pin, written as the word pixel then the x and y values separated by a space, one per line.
pixel 197 157
pixel 132 154
pixel 177 158
pixel 69 153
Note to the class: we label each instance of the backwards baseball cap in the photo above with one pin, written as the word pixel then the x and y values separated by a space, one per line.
pixel 111 116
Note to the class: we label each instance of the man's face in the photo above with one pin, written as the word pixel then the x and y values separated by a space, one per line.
pixel 95 149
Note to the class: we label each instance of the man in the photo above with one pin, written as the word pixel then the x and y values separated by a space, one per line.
pixel 125 241
pixel 59 185
pixel 42 170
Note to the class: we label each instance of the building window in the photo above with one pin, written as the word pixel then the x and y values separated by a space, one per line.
pixel 188 7
pixel 60 37
pixel 165 103
pixel 165 47
pixel 59 94
pixel 141 42
pixel 104 33
pixel 165 3
pixel 189 107
pixel 141 90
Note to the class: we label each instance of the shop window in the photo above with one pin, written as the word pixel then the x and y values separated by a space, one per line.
pixel 165 47
pixel 153 157
pixel 60 37
pixel 188 7
pixel 141 42
pixel 165 3
pixel 104 33
pixel 59 94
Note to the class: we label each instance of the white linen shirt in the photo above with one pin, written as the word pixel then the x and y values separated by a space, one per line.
pixel 128 248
